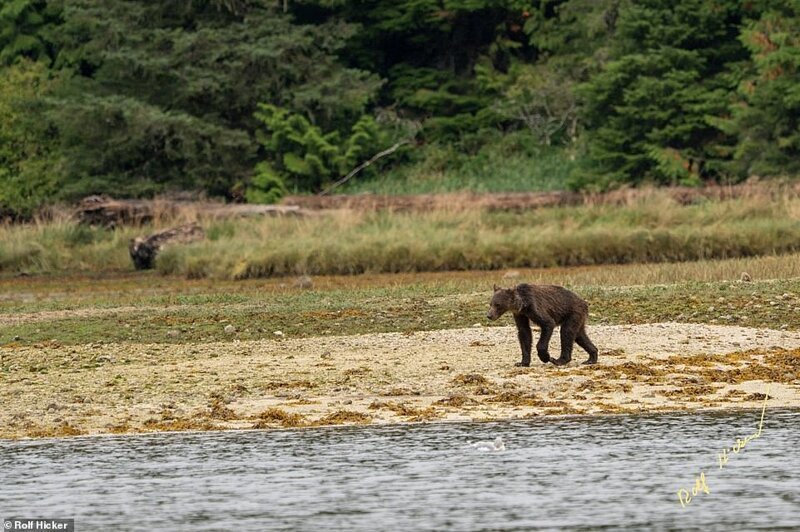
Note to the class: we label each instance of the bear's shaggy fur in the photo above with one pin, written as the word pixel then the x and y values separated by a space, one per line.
pixel 547 306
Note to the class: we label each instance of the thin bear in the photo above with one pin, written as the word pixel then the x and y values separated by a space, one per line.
pixel 548 307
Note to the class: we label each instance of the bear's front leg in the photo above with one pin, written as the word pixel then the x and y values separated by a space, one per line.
pixel 525 338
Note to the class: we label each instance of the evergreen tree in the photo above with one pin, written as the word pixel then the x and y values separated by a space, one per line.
pixel 428 51
pixel 163 93
pixel 253 98
pixel 27 164
pixel 301 154
pixel 573 36
pixel 26 29
pixel 766 120
pixel 672 69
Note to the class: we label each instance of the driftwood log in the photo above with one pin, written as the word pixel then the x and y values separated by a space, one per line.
pixel 519 201
pixel 108 212
pixel 143 250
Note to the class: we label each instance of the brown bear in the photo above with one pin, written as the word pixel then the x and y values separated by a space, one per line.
pixel 547 306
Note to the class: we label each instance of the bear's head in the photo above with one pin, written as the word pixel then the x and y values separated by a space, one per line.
pixel 503 300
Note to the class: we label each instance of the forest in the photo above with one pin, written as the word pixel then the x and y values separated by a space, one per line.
pixel 249 100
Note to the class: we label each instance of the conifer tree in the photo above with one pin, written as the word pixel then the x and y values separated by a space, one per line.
pixel 26 29
pixel 162 94
pixel 651 108
pixel 27 163
pixel 766 118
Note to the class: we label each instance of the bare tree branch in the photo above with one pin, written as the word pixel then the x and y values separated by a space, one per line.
pixel 363 165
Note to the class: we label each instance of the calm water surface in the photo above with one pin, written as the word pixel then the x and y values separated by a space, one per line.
pixel 586 473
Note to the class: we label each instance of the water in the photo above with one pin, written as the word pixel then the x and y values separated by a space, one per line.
pixel 609 472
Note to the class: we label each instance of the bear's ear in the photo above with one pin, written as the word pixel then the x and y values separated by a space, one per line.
pixel 495 288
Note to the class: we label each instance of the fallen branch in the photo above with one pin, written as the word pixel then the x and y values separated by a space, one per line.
pixel 108 212
pixel 363 165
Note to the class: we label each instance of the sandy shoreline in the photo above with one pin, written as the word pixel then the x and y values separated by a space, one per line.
pixel 449 375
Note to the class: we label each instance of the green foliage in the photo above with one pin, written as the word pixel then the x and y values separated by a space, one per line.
pixel 122 146
pixel 429 50
pixel 766 119
pixel 304 156
pixel 541 100
pixel 669 73
pixel 670 164
pixel 132 97
pixel 27 177
pixel 573 35
pixel 454 105
pixel 485 162
pixel 26 29
pixel 266 186
pixel 162 95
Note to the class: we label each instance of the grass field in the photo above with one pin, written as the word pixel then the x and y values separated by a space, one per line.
pixel 651 228
pixel 167 309
pixel 505 166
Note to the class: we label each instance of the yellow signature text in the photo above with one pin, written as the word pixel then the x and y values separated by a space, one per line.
pixel 685 496
pixel 700 486
pixel 740 443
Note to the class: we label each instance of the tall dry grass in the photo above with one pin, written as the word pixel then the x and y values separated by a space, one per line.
pixel 60 244
pixel 648 228
pixel 54 241
pixel 654 228
pixel 759 269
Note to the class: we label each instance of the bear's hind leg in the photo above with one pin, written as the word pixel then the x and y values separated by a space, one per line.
pixel 582 340
pixel 569 330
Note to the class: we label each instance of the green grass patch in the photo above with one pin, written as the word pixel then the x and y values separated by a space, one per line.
pixel 509 163
pixel 172 310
